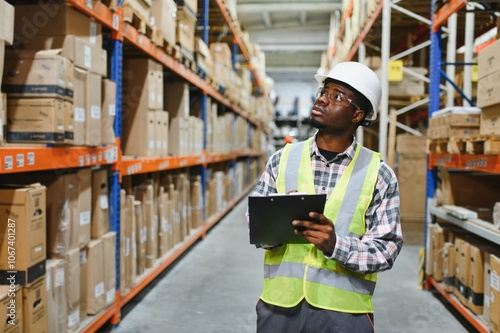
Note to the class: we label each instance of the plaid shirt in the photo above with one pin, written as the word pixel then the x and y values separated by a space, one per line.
pixel 378 248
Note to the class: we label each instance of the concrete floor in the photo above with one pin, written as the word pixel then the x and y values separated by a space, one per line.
pixel 214 287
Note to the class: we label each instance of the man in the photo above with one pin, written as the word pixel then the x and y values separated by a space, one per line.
pixel 327 285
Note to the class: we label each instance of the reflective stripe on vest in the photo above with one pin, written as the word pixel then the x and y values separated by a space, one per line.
pixel 295 271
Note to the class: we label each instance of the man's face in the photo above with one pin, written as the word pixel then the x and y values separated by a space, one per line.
pixel 332 111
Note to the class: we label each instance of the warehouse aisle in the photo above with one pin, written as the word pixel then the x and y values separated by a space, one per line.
pixel 214 287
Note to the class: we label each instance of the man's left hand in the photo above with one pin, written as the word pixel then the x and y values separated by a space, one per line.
pixel 320 232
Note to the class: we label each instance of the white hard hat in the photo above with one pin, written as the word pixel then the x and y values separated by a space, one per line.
pixel 361 78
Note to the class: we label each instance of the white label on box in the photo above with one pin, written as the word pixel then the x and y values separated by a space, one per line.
pixel 62 82
pixel 83 257
pixel 99 289
pixel 59 281
pixel 110 296
pixel 93 32
pixel 20 160
pixel 48 281
pixel 158 144
pixel 495 281
pixel 74 318
pixel 38 249
pixel 152 97
pixel 112 109
pixel 104 201
pixel 80 115
pixel 151 144
pixel 144 234
pixel 95 112
pixel 486 300
pixel 85 217
pixel 88 56
pixel 60 128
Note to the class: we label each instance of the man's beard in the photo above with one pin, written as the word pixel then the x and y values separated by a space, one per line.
pixel 315 123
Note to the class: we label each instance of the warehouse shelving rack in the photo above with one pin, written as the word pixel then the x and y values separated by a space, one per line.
pixel 464 162
pixel 37 158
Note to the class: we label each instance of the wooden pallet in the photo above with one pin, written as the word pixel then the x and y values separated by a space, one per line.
pixel 187 59
pixel 134 18
pixel 474 145
pixel 112 4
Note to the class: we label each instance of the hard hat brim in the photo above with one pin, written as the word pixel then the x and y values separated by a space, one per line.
pixel 320 78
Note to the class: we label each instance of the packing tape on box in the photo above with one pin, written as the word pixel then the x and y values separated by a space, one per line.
pixel 496 215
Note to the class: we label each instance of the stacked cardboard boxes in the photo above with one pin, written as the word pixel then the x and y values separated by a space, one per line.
pixel 6 37
pixel 488 89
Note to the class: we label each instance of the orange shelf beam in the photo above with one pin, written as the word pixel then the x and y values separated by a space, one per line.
pixel 99 320
pixel 99 11
pixel 25 159
pixel 483 163
pixel 466 313
pixel 452 6
pixel 343 19
pixel 137 165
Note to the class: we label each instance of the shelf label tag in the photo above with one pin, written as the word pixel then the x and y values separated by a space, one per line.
pixel 89 4
pixel 20 160
pixel 8 163
pixel 99 156
pixel 395 71
pixel 495 281
pixel 31 158
pixel 115 21
pixel 94 158
pixel 87 159
pixel 80 161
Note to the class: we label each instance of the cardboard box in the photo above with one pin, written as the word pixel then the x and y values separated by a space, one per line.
pixel 488 90
pixel 35 307
pixel 488 60
pixel 93 99
pixel 109 246
pixel 185 31
pixel 72 288
pixel 96 293
pixel 159 135
pixel 23 209
pixel 69 122
pixel 495 294
pixel 11 309
pixel 108 112
pixel 203 57
pixel 36 74
pixel 448 266
pixel 177 99
pixel 140 80
pixel 35 120
pixel 123 241
pixel 159 85
pixel 141 237
pixel 100 203
pixel 131 242
pixel 487 289
pixel 84 283
pixel 411 174
pixel 59 19
pixel 56 296
pixel 139 133
pixel 79 105
pixel 462 265
pixel 476 279
pixel 150 226
pixel 7 22
pixel 190 5
pixel 437 239
pixel 164 131
pixel 61 204
pixel 85 55
pixel 84 176
pixel 490 120
pixel 164 16
pixel 178 136
pixel 3 118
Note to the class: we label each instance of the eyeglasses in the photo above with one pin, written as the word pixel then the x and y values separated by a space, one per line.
pixel 336 97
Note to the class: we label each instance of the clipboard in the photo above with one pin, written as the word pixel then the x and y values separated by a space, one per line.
pixel 270 217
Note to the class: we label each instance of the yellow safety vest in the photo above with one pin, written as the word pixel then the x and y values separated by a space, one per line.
pixel 295 271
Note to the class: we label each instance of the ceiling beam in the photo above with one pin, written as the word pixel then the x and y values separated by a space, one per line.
pixel 311 6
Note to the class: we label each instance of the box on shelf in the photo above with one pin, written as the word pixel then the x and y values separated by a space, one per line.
pixel 23 209
pixel 488 60
pixel 84 176
pixel 221 53
pixel 56 296
pixel 84 282
pixel 145 194
pixel 72 288
pixel 108 112
pixel 100 203
pixel 140 238
pixel 69 123
pixel 59 19
pixel 177 99
pixel 164 16
pixel 87 102
pixel 35 306
pixel 178 136
pixel 35 120
pixel 495 294
pixel 476 279
pixel 109 248
pixel 462 265
pixel 139 133
pixel 490 120
pixel 185 31
pixel 7 14
pixel 488 90
pixel 141 8
pixel 96 293
pixel 448 266
pixel 190 5
pixel 85 55
pixel 203 57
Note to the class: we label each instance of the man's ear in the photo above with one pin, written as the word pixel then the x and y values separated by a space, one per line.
pixel 358 116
